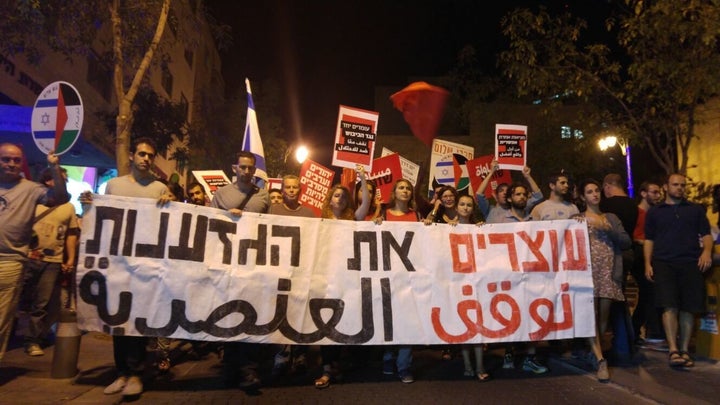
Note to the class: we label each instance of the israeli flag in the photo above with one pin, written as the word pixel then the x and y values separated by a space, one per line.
pixel 251 140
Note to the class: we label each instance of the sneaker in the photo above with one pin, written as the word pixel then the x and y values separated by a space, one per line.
pixel 33 349
pixel 603 374
pixel 116 386
pixel 299 363
pixel 388 367
pixel 249 380
pixel 407 378
pixel 282 359
pixel 530 364
pixel 508 361
pixel 133 387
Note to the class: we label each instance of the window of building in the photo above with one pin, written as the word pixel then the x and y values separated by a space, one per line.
pixel 565 132
pixel 99 76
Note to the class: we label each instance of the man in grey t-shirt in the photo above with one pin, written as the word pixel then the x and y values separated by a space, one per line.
pixel 18 199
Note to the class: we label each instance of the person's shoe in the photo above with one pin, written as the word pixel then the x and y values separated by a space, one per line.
pixel 388 367
pixel 116 386
pixel 133 387
pixel 282 359
pixel 249 380
pixel 603 374
pixel 508 361
pixel 34 349
pixel 407 377
pixel 530 364
pixel 299 364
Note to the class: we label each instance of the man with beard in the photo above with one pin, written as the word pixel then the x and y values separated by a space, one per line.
pixel 197 195
pixel 18 199
pixel 517 198
pixel 678 250
pixel 645 313
pixel 556 206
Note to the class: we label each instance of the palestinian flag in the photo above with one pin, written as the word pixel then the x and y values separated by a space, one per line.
pixel 57 118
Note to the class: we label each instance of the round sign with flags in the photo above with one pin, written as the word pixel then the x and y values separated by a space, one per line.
pixel 57 118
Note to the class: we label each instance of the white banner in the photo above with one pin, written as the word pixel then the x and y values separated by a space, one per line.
pixel 194 272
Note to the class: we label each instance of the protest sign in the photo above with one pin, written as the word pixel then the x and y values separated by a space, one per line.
pixel 410 170
pixel 447 165
pixel 386 171
pixel 192 272
pixel 355 138
pixel 315 182
pixel 511 146
pixel 211 180
pixel 479 168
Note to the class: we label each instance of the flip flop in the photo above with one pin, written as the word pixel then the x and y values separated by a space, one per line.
pixel 689 361
pixel 676 360
pixel 483 377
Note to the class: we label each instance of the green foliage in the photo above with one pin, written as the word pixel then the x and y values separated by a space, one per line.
pixel 154 117
pixel 646 87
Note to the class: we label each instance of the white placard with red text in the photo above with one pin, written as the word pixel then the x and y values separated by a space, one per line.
pixel 192 272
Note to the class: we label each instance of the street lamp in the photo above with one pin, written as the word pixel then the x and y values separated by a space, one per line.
pixel 300 150
pixel 610 141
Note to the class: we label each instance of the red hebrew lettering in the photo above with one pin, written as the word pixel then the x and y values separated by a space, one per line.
pixel 462 241
pixel 572 263
pixel 541 264
pixel 554 249
pixel 509 240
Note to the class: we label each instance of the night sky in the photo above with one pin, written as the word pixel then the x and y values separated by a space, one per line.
pixel 326 53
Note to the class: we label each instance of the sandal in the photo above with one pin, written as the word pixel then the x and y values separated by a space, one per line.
pixel 483 377
pixel 322 382
pixel 676 360
pixel 164 365
pixel 689 361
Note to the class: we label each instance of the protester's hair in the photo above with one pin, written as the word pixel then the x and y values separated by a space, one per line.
pixel 667 178
pixel 245 154
pixel 645 186
pixel 554 177
pixel 47 175
pixel 580 203
pixel 452 189
pixel 147 141
pixel 614 179
pixel 373 190
pixel 347 213
pixel 194 184
pixel 289 177
pixel 473 214
pixel 511 189
pixel 177 191
pixel 274 190
pixel 411 203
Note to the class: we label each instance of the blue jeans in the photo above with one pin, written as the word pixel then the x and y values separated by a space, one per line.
pixel 404 358
pixel 40 299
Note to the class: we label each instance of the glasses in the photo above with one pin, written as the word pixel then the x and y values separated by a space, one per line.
pixel 16 160
pixel 243 167
pixel 148 154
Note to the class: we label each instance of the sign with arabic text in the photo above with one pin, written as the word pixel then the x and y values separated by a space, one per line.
pixel 355 138
pixel 192 272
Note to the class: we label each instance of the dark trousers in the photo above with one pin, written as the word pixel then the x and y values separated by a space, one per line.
pixel 645 312
pixel 129 353
pixel 40 299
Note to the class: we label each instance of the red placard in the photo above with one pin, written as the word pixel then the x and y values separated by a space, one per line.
pixel 315 182
pixel 479 167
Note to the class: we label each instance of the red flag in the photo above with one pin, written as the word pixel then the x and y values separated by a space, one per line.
pixel 423 106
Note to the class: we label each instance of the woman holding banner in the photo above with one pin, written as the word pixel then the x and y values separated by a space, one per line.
pixel 338 204
pixel 445 208
pixel 607 239
pixel 400 208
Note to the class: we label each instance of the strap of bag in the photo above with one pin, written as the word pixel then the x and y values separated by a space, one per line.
pixel 247 197
pixel 44 214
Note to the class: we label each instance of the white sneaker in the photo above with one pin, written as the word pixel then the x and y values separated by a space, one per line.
pixel 33 349
pixel 134 386
pixel 116 386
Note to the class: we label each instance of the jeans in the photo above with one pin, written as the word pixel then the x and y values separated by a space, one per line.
pixel 11 272
pixel 404 358
pixel 40 299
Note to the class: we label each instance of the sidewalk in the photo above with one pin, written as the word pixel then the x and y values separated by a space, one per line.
pixel 26 380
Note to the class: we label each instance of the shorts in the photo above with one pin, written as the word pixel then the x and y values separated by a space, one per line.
pixel 679 285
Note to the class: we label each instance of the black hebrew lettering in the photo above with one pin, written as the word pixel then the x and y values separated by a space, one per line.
pixel 156 251
pixel 292 232
pixel 360 237
pixel 106 213
pixel 129 236
pixel 386 293
pixel 259 244
pixel 223 228
pixel 388 241
pixel 183 251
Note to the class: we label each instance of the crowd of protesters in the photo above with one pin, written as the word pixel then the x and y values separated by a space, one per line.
pixel 662 240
